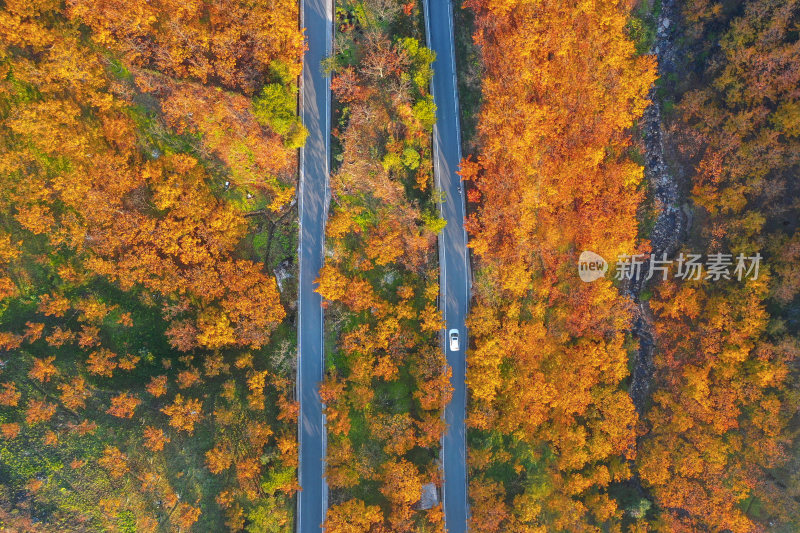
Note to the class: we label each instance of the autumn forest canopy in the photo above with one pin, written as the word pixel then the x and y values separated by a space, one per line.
pixel 150 177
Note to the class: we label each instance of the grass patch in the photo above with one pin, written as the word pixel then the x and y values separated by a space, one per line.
pixel 643 25
pixel 469 72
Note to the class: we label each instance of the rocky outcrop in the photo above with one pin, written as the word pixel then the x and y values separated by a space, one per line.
pixel 429 498
pixel 672 217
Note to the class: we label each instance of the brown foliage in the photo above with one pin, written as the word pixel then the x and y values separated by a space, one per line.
pixel 184 413
pixel 218 458
pixel 39 411
pixel 561 88
pixel 114 461
pixel 9 396
pixel 352 516
pixel 123 405
pixel 74 393
pixel 154 438
pixel 720 432
pixel 157 386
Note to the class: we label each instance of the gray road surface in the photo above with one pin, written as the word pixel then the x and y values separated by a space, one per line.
pixel 454 267
pixel 312 500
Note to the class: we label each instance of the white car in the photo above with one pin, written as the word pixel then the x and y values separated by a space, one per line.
pixel 453 336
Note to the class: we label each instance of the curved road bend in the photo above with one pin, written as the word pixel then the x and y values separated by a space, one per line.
pixel 453 263
pixel 312 500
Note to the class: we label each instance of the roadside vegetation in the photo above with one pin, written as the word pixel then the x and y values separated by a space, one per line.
pixel 148 233
pixel 719 450
pixel 469 72
pixel 551 425
pixel 386 383
pixel 555 444
pixel 148 166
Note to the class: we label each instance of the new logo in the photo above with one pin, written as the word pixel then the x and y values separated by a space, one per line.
pixel 591 266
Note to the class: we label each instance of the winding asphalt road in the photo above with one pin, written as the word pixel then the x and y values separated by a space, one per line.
pixel 312 500
pixel 453 260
